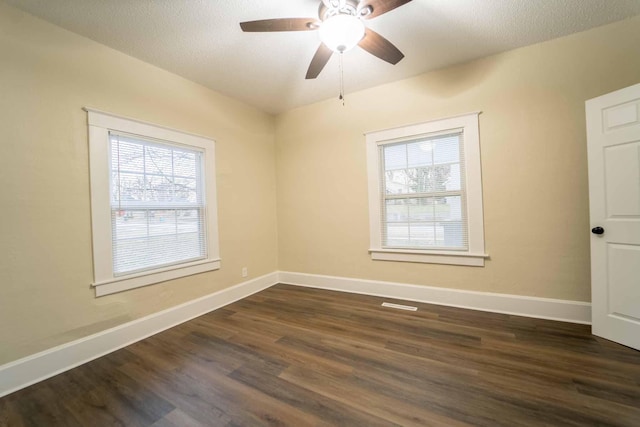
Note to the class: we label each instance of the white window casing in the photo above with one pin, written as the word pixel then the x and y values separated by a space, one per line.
pixel 425 192
pixel 153 203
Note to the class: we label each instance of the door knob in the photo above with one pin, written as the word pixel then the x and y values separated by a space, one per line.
pixel 597 230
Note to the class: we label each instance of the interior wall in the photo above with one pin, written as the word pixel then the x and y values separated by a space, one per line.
pixel 534 165
pixel 533 157
pixel 47 75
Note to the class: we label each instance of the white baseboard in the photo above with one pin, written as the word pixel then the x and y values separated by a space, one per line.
pixel 542 308
pixel 40 366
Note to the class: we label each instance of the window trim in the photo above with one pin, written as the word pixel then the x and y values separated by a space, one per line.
pixel 105 282
pixel 475 255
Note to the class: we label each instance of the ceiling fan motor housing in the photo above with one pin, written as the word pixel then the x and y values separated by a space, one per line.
pixel 342 7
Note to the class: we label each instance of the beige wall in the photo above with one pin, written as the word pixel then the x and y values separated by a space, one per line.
pixel 534 164
pixel 46 76
pixel 533 157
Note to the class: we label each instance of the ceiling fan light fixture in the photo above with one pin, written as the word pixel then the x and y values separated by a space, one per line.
pixel 341 32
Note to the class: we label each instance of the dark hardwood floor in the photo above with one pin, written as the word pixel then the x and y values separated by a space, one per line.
pixel 300 357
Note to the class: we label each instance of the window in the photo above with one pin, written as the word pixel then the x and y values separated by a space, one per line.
pixel 153 203
pixel 425 193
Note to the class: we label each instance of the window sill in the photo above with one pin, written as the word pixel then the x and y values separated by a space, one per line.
pixel 429 257
pixel 120 284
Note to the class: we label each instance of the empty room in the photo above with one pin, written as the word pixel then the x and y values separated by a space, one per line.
pixel 320 213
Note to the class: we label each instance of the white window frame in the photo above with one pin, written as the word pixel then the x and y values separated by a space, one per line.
pixel 474 255
pixel 105 282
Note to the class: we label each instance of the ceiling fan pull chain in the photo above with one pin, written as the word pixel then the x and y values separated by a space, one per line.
pixel 341 97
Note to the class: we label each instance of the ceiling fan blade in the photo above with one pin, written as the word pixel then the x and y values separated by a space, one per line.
pixel 280 24
pixel 318 62
pixel 378 7
pixel 378 46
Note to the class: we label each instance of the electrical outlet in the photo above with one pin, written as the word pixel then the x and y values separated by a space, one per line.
pixel 245 272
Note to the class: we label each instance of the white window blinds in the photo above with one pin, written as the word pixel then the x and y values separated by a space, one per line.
pixel 423 195
pixel 157 204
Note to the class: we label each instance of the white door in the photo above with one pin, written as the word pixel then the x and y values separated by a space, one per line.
pixel 613 140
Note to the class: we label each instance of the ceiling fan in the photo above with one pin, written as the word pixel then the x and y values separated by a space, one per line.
pixel 341 27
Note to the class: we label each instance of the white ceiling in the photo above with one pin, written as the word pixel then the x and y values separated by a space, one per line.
pixel 202 41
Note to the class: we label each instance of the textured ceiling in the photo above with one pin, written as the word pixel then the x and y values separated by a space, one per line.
pixel 202 41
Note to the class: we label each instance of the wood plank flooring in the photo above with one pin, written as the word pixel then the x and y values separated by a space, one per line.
pixel 292 356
